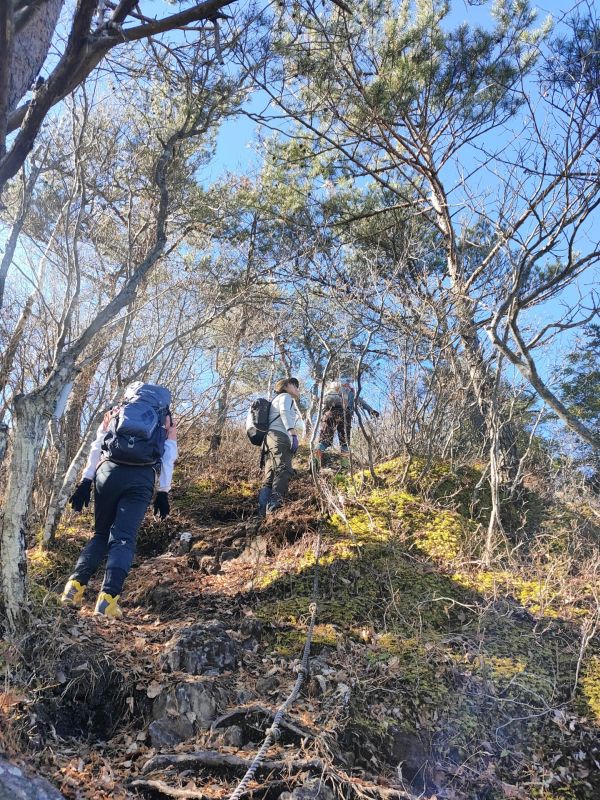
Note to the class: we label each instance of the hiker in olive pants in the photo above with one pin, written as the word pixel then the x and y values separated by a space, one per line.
pixel 278 466
pixel 281 443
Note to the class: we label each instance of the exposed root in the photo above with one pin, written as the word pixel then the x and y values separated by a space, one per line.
pixel 241 715
pixel 213 759
pixel 161 788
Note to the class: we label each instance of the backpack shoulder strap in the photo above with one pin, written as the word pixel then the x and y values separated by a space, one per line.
pixel 270 406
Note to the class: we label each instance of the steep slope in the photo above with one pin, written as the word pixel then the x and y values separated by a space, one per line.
pixel 429 676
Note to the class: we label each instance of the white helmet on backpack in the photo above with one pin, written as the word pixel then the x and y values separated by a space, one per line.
pixel 131 389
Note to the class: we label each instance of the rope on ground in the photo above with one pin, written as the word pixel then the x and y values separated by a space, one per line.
pixel 273 733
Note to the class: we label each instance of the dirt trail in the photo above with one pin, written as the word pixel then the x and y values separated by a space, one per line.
pixel 175 699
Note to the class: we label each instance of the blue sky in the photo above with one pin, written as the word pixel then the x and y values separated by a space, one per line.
pixel 235 152
pixel 234 146
pixel 236 149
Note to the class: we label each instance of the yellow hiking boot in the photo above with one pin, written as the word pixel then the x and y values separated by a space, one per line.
pixel 73 594
pixel 107 606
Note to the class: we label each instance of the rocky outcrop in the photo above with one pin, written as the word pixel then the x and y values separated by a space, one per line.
pixel 16 785
pixel 314 789
pixel 201 650
pixel 178 714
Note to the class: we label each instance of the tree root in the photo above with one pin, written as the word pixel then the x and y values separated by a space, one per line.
pixel 239 716
pixel 213 759
pixel 160 787
pixel 347 786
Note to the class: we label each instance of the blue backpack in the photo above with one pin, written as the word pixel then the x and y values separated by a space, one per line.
pixel 136 434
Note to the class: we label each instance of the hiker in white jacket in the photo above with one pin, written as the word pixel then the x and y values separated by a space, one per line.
pixel 285 427
pixel 121 469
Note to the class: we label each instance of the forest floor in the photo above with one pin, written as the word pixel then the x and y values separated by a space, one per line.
pixel 430 675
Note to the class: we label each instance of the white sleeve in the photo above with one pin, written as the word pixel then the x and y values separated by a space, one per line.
pixel 95 453
pixel 288 412
pixel 167 464
pixel 300 426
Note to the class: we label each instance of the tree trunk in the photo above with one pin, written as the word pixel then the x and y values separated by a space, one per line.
pixel 8 357
pixel 223 401
pixel 483 380
pixel 64 485
pixel 500 434
pixel 71 451
pixel 3 440
pixel 31 47
pixel 31 422
pixel 221 419
pixel 495 528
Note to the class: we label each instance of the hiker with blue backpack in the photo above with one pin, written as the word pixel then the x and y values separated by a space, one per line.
pixel 136 441
pixel 276 425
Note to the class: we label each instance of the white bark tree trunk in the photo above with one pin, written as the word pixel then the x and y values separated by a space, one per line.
pixel 31 422
pixel 65 484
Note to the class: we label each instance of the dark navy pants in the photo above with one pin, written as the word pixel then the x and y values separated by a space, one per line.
pixel 123 494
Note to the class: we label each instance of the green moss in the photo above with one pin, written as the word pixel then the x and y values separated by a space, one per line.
pixel 502 668
pixel 436 480
pixel 360 525
pixel 208 497
pixel 387 512
pixel 290 642
pixel 50 568
pixel 457 655
pixel 590 686
pixel 441 535
pixel 540 596
pixel 577 790
pixel 40 596
pixel 266 579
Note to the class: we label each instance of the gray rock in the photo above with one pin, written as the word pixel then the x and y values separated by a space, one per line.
pixel 160 597
pixel 183 711
pixel 208 565
pixel 201 650
pixel 252 629
pixel 16 785
pixel 318 666
pixel 267 684
pixel 245 696
pixel 233 736
pixel 313 789
pixel 255 550
pixel 403 747
pixel 169 731
pixel 183 544
pixel 228 554
pixel 198 701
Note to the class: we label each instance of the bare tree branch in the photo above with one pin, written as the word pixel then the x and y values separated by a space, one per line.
pixel 84 51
